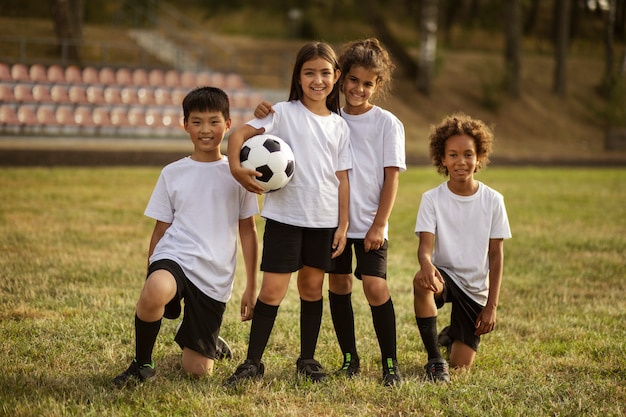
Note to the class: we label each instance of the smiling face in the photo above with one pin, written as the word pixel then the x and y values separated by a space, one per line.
pixel 317 79
pixel 206 130
pixel 460 158
pixel 358 86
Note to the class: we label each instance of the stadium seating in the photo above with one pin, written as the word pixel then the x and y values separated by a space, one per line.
pixel 55 100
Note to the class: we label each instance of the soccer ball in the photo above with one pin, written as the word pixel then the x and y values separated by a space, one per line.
pixel 272 157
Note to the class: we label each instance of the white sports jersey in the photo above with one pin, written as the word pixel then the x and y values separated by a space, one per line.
pixel 377 141
pixel 462 226
pixel 321 147
pixel 203 203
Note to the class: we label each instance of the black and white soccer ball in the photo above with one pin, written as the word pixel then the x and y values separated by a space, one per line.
pixel 272 157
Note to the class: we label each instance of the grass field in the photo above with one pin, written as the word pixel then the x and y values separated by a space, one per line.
pixel 73 248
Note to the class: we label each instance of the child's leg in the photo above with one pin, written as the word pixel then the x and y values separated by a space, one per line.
pixel 159 288
pixel 426 318
pixel 195 363
pixel 461 355
pixel 383 314
pixel 310 282
pixel 273 290
pixel 340 297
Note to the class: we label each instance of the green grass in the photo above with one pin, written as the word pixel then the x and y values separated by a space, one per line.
pixel 73 248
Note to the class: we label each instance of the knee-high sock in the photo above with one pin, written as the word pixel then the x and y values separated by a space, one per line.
pixel 428 330
pixel 310 323
pixel 145 338
pixel 384 318
pixel 343 321
pixel 260 330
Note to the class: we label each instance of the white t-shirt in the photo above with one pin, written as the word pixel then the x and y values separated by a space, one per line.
pixel 377 141
pixel 462 226
pixel 203 203
pixel 321 147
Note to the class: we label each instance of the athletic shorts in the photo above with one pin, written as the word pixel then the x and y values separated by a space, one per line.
pixel 202 317
pixel 288 248
pixel 372 263
pixel 464 312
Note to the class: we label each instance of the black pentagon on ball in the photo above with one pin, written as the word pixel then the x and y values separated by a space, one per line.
pixel 289 168
pixel 267 173
pixel 272 145
pixel 243 155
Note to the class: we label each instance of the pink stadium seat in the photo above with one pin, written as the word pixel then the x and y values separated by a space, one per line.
pixel 162 97
pixel 146 96
pixel 56 74
pixel 9 122
pixel 47 119
pixel 235 82
pixel 60 94
pixel 101 116
pixel 119 116
pixel 172 79
pixel 41 93
pixel 203 79
pixel 172 119
pixel 65 115
pixel 90 76
pixel 6 93
pixel 27 116
pixel 106 76
pixel 137 116
pixel 78 94
pixel 154 118
pixel 112 95
pixel 73 75
pixel 95 94
pixel 19 72
pixel 156 78
pixel 218 79
pixel 123 76
pixel 140 77
pixel 188 79
pixel 38 74
pixel 5 72
pixel 23 93
pixel 238 100
pixel 178 94
pixel 83 116
pixel 129 95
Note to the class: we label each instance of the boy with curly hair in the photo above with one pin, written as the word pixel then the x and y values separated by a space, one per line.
pixel 461 225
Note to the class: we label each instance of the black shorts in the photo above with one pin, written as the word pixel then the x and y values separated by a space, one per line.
pixel 372 263
pixel 288 248
pixel 202 317
pixel 464 312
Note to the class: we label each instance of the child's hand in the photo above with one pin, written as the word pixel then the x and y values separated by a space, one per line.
pixel 486 321
pixel 429 277
pixel 339 244
pixel 263 109
pixel 374 239
pixel 246 178
pixel 247 305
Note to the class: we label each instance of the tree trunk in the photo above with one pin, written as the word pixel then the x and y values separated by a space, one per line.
pixel 561 45
pixel 428 46
pixel 67 26
pixel 512 53
pixel 398 52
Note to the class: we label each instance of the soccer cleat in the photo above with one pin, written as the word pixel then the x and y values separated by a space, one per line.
pixel 311 369
pixel 444 339
pixel 246 371
pixel 391 376
pixel 437 370
pixel 135 373
pixel 222 350
pixel 351 365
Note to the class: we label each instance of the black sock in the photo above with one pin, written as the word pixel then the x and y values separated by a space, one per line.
pixel 145 337
pixel 343 321
pixel 260 330
pixel 310 323
pixel 384 318
pixel 428 330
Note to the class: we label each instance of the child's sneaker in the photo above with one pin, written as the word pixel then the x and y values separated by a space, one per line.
pixel 135 373
pixel 437 370
pixel 351 365
pixel 222 350
pixel 391 376
pixel 245 371
pixel 311 369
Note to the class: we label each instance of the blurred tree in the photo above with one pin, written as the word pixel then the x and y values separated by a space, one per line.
pixel 513 47
pixel 67 16
pixel 428 45
pixel 561 45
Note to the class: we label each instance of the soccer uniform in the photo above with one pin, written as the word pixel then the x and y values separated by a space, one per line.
pixel 463 226
pixel 203 203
